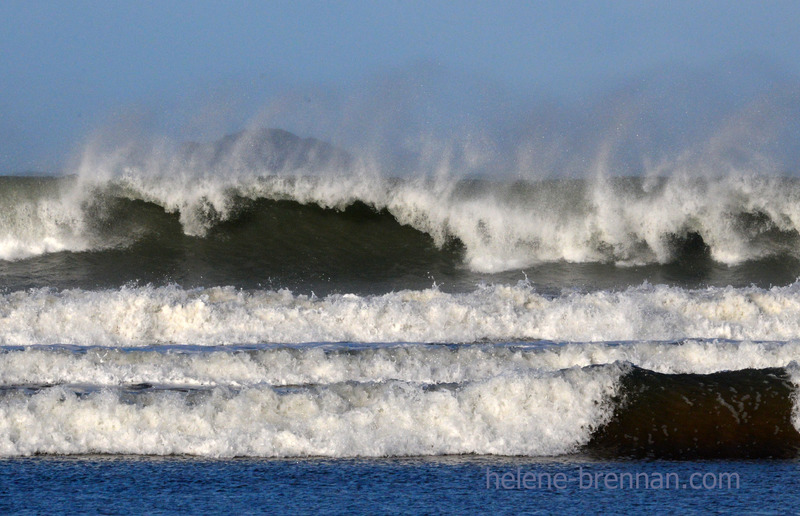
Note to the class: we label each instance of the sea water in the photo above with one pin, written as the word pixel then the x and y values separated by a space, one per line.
pixel 267 324
pixel 450 485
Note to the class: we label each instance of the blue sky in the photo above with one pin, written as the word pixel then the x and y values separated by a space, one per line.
pixel 68 67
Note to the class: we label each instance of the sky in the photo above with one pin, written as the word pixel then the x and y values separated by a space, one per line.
pixel 67 68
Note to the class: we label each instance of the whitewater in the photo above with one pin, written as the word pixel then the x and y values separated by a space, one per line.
pixel 268 295
pixel 141 316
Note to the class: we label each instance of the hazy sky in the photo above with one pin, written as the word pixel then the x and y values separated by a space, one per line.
pixel 68 66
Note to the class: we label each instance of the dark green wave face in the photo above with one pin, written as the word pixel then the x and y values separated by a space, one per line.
pixel 730 414
pixel 278 244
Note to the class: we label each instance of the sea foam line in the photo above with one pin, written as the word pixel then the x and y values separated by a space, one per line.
pixel 429 364
pixel 142 316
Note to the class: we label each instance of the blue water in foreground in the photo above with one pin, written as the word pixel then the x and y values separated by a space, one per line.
pixel 447 485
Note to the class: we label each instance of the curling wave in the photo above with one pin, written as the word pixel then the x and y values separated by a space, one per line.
pixel 729 217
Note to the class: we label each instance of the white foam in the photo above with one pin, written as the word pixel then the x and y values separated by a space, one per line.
pixel 137 316
pixel 36 221
pixel 413 363
pixel 510 415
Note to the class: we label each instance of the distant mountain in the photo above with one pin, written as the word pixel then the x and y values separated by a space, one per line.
pixel 270 149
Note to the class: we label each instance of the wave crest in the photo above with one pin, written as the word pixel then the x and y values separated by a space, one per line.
pixel 730 218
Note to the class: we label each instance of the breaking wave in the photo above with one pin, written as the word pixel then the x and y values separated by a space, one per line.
pixel 496 225
pixel 343 400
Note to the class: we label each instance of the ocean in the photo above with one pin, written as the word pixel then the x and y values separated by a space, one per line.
pixel 267 324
